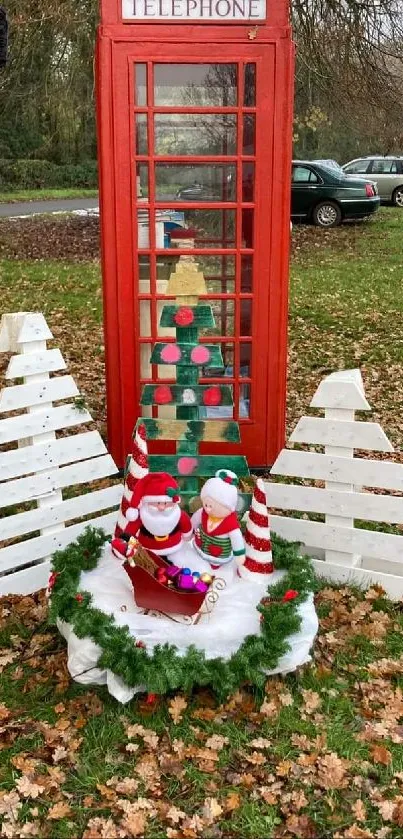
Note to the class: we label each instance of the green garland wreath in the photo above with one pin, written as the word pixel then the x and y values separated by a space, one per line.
pixel 164 670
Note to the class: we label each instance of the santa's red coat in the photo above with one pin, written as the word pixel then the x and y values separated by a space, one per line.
pixel 160 544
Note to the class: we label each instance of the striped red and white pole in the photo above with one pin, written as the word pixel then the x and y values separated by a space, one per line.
pixel 137 467
pixel 258 554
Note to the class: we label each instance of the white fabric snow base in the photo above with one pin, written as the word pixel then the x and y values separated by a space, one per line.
pixel 219 634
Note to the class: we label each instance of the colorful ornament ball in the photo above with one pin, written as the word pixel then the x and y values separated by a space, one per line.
pixel 184 316
pixel 171 353
pixel 163 395
pixel 187 465
pixel 200 355
pixel 212 396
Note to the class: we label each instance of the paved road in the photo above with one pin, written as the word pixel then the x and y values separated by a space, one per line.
pixel 28 208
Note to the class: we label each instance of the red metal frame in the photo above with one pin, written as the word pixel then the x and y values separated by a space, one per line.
pixel 119 47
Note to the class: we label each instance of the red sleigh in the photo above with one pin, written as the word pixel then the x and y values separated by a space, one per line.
pixel 149 593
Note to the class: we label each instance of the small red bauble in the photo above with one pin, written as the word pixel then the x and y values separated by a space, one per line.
pixel 151 698
pixel 184 316
pixel 212 396
pixel 290 595
pixel 79 598
pixel 163 395
pixel 140 644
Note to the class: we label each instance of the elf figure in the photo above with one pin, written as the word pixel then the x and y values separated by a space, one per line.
pixel 218 537
pixel 154 517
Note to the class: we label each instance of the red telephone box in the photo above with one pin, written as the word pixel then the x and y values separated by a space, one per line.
pixel 194 128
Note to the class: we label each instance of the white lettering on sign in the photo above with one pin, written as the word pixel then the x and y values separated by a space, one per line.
pixel 193 10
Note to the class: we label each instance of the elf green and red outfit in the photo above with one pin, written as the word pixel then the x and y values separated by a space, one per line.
pixel 220 544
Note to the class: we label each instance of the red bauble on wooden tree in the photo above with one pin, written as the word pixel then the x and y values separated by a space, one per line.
pixel 212 396
pixel 184 316
pixel 163 395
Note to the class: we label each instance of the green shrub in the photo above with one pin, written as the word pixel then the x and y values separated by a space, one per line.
pixel 38 174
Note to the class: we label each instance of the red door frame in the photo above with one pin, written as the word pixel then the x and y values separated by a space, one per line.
pixel 264 436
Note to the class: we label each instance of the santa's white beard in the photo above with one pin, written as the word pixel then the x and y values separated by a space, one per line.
pixel 160 522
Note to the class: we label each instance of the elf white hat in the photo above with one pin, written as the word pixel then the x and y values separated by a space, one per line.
pixel 222 488
pixel 154 487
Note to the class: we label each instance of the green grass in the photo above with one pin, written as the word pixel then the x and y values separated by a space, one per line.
pixel 71 288
pixel 45 194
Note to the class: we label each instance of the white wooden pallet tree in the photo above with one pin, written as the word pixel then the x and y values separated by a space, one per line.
pixel 37 467
pixel 349 553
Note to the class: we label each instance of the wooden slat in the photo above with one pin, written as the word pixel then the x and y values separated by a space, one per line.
pixel 349 540
pixel 26 581
pixel 393 584
pixel 215 359
pixel 191 430
pixel 203 316
pixel 18 462
pixel 82 505
pixel 28 364
pixel 24 396
pixel 322 467
pixel 50 419
pixel 43 546
pixel 357 505
pixel 205 466
pixel 147 396
pixel 29 489
pixel 353 435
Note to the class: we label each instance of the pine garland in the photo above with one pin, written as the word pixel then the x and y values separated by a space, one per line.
pixel 163 670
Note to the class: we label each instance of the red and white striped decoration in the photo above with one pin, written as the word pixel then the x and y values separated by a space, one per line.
pixel 137 468
pixel 258 560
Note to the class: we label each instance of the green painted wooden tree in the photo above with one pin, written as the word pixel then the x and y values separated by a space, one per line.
pixel 188 316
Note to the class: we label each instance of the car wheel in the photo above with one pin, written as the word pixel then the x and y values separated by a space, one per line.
pixel 397 197
pixel 326 214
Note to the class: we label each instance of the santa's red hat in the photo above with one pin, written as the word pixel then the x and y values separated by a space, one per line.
pixel 154 487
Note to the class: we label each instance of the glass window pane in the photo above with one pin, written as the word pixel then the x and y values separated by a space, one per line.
pixel 249 134
pixel 246 274
pixel 192 182
pixel 145 365
pixel 195 85
pixel 248 182
pixel 196 134
pixel 140 84
pixel 223 313
pixel 141 134
pixel 244 401
pixel 143 230
pixel 246 317
pixel 247 228
pixel 144 274
pixel 245 359
pixel 249 95
pixel 227 371
pixel 145 318
pixel 208 228
pixel 142 180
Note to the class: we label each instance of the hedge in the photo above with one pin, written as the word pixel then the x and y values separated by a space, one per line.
pixel 36 174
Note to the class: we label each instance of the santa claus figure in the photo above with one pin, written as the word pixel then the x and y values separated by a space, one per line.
pixel 218 537
pixel 154 517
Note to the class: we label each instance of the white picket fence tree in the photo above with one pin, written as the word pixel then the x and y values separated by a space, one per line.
pixel 341 551
pixel 39 465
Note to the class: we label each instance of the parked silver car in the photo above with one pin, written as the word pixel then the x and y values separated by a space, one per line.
pixel 386 172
